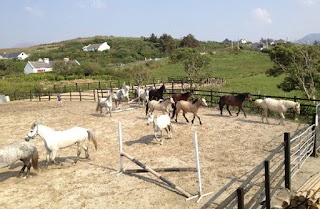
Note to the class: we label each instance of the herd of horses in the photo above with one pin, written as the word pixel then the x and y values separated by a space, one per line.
pixel 155 101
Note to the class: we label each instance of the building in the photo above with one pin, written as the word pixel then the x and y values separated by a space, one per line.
pixel 96 47
pixel 15 55
pixel 43 65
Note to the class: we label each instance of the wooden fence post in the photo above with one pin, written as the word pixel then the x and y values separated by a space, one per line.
pixel 30 96
pixel 267 183
pixel 211 98
pixel 80 95
pixel 240 193
pixel 287 167
pixel 70 94
pixel 172 87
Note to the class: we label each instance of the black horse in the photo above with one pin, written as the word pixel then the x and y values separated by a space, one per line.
pixel 234 101
pixel 156 94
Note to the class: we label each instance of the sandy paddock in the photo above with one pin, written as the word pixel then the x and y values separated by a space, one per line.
pixel 229 147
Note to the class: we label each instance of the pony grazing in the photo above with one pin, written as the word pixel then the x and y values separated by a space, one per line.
pixel 156 94
pixel 187 106
pixel 55 140
pixel 24 151
pixel 161 105
pixel 159 123
pixel 280 106
pixel 234 101
pixel 105 103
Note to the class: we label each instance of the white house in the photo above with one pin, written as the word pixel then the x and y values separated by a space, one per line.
pixel 96 47
pixel 15 55
pixel 42 66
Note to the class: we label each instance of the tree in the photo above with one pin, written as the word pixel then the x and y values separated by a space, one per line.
pixel 167 43
pixel 189 41
pixel 193 63
pixel 139 73
pixel 300 64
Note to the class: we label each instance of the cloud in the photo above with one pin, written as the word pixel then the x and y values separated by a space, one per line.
pixel 261 15
pixel 310 2
pixel 34 11
pixel 95 4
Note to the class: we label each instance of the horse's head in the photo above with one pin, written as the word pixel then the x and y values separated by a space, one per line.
pixel 248 96
pixel 204 102
pixel 32 133
pixel 171 100
pixel 163 88
pixel 297 107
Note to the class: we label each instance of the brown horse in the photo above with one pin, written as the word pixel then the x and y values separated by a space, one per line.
pixel 187 106
pixel 178 97
pixel 234 101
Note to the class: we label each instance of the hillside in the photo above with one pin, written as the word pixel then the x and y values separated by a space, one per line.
pixel 309 39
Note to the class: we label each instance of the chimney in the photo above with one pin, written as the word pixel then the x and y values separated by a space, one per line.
pixel 46 60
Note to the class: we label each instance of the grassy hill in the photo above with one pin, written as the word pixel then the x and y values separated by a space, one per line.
pixel 243 70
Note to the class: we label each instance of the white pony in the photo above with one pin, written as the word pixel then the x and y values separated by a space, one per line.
pixel 105 103
pixel 159 123
pixel 280 106
pixel 161 105
pixel 121 94
pixel 24 151
pixel 142 94
pixel 55 140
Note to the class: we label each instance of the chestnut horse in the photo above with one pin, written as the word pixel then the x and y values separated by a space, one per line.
pixel 234 101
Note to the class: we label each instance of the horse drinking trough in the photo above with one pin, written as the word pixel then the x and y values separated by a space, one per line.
pixel 146 168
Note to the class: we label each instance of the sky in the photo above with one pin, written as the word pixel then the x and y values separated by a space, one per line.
pixel 47 21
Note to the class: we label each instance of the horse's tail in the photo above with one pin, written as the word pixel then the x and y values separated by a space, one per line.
pixel 92 138
pixel 174 111
pixel 34 159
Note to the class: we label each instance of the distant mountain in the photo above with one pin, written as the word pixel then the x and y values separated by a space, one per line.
pixel 24 45
pixel 309 39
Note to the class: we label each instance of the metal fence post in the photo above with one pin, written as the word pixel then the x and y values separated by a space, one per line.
pixel 314 129
pixel 287 166
pixel 267 183
pixel 240 193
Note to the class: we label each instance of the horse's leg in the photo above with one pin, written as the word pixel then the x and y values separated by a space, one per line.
pixel 53 156
pixel 221 107
pixel 78 152
pixel 241 108
pixel 281 118
pixel 48 152
pixel 86 150
pixel 23 167
pixel 184 115
pixel 194 116
pixel 170 131
pixel 229 110
pixel 199 119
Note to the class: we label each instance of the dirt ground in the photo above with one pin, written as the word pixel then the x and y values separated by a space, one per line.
pixel 229 147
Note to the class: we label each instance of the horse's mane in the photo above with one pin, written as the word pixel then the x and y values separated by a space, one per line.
pixel 195 100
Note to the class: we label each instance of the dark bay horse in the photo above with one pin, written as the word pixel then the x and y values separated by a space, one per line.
pixel 156 94
pixel 234 101
pixel 178 97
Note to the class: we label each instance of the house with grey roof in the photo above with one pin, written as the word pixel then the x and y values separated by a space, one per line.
pixel 96 47
pixel 43 65
pixel 15 55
